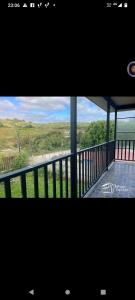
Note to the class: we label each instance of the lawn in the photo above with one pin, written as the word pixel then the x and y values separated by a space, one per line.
pixel 16 187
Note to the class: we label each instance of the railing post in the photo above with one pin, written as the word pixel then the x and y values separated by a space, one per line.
pixel 73 134
pixel 107 133
pixel 115 132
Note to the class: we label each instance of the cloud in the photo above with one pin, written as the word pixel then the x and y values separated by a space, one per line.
pixel 87 111
pixel 49 109
pixel 45 103
pixel 6 105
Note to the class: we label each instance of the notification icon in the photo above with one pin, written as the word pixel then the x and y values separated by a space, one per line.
pixel 131 69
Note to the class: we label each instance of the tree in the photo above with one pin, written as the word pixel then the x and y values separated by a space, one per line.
pixel 50 142
pixel 96 134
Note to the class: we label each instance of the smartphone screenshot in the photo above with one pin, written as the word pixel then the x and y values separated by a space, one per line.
pixel 67 149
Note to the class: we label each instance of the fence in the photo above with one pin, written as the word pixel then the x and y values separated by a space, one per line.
pixel 125 150
pixel 7 163
pixel 37 181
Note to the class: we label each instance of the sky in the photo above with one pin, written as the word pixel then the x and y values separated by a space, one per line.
pixel 50 109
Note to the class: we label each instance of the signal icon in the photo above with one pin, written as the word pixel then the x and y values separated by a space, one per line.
pixel 120 5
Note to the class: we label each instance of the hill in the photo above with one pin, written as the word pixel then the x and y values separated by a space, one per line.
pixel 38 137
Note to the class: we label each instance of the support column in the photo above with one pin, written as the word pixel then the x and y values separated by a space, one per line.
pixel 73 134
pixel 107 133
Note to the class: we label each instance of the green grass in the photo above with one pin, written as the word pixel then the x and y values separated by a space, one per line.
pixel 16 187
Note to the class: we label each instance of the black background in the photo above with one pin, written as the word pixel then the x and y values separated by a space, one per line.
pixel 53 245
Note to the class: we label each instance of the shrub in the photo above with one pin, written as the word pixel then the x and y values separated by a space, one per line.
pixel 1 124
pixel 20 161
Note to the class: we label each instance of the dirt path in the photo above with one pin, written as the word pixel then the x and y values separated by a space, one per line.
pixel 41 158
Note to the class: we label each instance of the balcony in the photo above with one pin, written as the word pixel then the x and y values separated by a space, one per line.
pixel 94 178
pixel 105 170
pixel 117 182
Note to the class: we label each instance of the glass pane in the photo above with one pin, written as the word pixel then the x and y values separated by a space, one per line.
pixel 126 125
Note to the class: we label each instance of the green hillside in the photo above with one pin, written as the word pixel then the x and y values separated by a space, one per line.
pixel 35 137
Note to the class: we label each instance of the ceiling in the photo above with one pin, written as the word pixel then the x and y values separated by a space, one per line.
pixel 121 103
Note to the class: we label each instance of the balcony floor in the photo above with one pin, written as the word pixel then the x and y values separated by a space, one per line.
pixel 119 180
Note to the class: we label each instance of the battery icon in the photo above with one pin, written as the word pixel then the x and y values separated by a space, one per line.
pixel 125 5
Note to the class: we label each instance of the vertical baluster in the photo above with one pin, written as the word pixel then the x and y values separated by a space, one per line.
pixel 102 158
pixel 82 173
pixel 46 181
pixel 66 176
pixel 105 157
pixel 105 153
pixel 109 150
pixel 99 161
pixel 61 180
pixel 7 188
pixel 69 172
pixel 133 149
pixel 54 179
pixel 79 175
pixel 88 168
pixel 125 150
pixel 121 149
pixel 36 190
pixel 94 164
pixel 129 152
pixel 113 154
pixel 23 186
pixel 85 171
pixel 108 153
pixel 118 149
